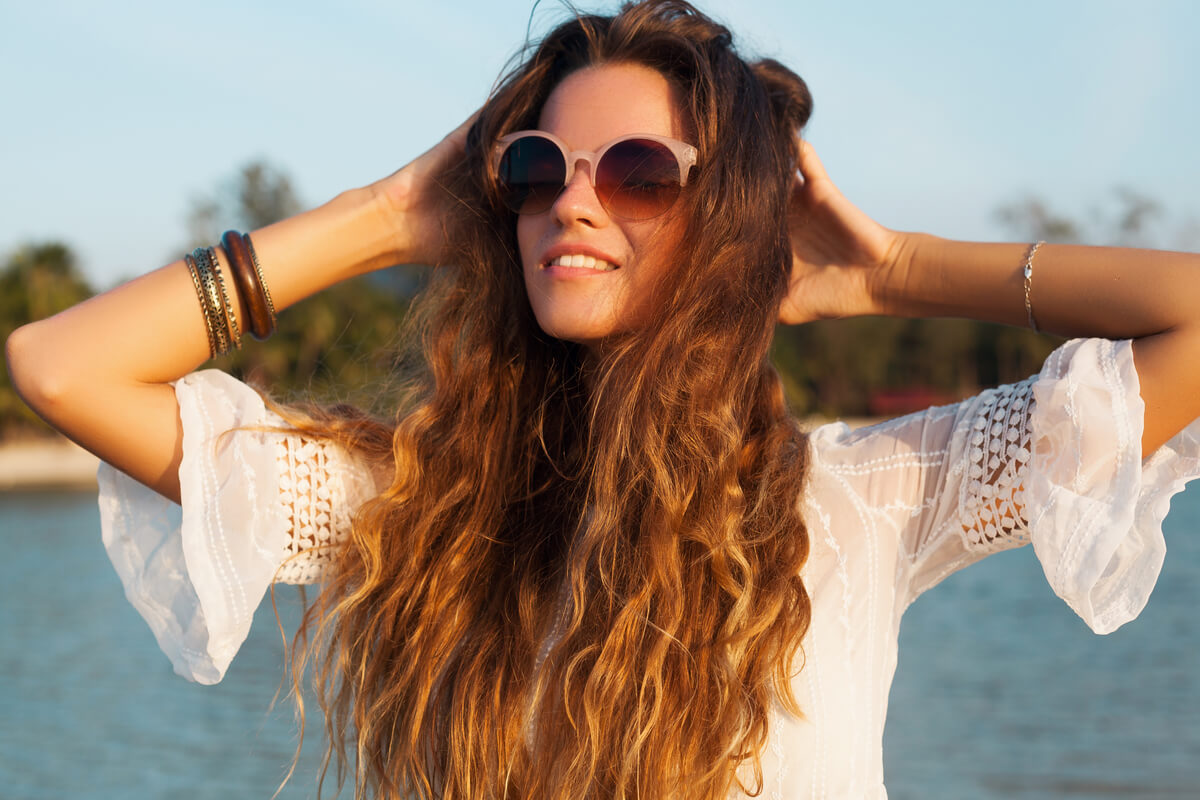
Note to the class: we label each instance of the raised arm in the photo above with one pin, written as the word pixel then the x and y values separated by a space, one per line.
pixel 845 264
pixel 99 372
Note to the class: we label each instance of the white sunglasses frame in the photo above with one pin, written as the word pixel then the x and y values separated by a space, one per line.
pixel 685 154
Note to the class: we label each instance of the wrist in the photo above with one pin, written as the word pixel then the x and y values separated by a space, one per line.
pixel 386 219
pixel 370 228
pixel 891 284
pixel 340 239
pixel 402 209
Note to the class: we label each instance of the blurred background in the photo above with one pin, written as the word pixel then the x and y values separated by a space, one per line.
pixel 135 131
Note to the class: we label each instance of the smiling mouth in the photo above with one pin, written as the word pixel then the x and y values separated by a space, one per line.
pixel 579 261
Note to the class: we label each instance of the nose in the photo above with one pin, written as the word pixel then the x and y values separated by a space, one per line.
pixel 578 202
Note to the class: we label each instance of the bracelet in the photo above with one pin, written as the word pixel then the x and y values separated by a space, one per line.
pixel 261 281
pixel 218 305
pixel 1028 271
pixel 211 302
pixel 248 278
pixel 233 329
pixel 193 270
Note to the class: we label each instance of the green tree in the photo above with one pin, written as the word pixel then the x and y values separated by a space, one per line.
pixel 257 195
pixel 1031 219
pixel 338 344
pixel 36 281
pixel 841 367
pixel 1123 218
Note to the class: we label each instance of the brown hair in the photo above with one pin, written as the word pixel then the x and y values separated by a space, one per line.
pixel 649 517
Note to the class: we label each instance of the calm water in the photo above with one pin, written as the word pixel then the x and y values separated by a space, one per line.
pixel 1001 691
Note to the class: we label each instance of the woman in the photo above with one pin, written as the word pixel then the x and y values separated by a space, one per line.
pixel 593 556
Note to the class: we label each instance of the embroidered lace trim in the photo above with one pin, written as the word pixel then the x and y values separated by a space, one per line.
pixel 992 498
pixel 314 506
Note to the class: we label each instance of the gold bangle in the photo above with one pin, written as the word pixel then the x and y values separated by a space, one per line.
pixel 235 339
pixel 261 280
pixel 212 298
pixel 193 270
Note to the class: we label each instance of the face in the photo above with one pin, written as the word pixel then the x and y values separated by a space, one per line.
pixel 590 108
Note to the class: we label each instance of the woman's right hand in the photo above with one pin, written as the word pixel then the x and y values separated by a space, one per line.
pixel 415 204
pixel 100 371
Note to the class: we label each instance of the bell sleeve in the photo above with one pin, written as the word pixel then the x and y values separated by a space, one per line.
pixel 1094 505
pixel 256 505
pixel 1054 460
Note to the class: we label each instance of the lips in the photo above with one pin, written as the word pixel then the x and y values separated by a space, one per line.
pixel 579 256
pixel 579 261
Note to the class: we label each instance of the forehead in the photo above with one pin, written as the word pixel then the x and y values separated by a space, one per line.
pixel 597 104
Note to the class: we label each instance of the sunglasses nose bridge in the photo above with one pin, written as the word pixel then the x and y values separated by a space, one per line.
pixel 580 167
pixel 578 197
pixel 573 160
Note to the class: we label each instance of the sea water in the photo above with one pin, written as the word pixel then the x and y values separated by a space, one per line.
pixel 1001 692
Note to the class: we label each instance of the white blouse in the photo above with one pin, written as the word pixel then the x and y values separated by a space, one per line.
pixel 891 510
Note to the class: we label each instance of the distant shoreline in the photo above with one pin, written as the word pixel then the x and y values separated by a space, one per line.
pixel 46 464
pixel 58 463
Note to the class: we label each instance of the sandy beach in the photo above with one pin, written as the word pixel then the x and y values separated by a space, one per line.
pixel 46 464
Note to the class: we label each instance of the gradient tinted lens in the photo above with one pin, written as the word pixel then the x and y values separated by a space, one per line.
pixel 638 179
pixel 532 173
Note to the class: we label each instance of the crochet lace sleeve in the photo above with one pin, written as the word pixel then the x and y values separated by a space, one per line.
pixel 1054 460
pixel 257 506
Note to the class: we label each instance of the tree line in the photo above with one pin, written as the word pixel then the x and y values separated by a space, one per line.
pixel 341 343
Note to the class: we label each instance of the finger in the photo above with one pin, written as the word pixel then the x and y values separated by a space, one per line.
pixel 811 167
pixel 452 146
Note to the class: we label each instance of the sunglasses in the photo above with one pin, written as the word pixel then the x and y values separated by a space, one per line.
pixel 635 177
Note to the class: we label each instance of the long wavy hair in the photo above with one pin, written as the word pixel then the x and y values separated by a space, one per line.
pixel 584 579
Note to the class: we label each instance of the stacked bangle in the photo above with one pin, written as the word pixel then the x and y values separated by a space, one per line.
pixel 209 327
pixel 211 303
pixel 233 330
pixel 218 305
pixel 248 278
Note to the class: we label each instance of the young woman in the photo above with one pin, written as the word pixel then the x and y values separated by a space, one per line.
pixel 592 556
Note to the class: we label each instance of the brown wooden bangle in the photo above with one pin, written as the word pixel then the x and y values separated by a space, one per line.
pixel 247 277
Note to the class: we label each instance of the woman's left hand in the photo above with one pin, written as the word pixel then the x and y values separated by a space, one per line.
pixel 838 252
pixel 415 203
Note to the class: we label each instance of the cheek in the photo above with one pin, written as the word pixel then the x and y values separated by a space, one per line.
pixel 658 247
pixel 528 234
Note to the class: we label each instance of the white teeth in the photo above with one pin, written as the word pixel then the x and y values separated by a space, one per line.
pixel 581 261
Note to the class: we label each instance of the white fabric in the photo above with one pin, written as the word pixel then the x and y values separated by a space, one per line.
pixel 253 497
pixel 891 510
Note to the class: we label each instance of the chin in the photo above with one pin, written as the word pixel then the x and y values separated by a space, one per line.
pixel 584 336
pixel 574 328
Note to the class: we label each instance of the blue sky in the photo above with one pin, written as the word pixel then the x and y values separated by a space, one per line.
pixel 929 115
